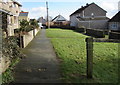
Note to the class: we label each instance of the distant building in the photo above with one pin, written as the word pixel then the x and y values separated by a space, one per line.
pixel 23 15
pixel 89 16
pixel 114 23
pixel 59 18
pixel 41 21
pixel 59 21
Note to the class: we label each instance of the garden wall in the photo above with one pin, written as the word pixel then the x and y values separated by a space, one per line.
pixel 29 37
pixel 36 31
pixel 4 64
pixel 95 33
pixel 114 35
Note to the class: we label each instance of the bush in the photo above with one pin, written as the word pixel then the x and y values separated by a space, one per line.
pixel 114 35
pixel 95 33
pixel 63 27
pixel 11 50
pixel 16 31
pixel 80 30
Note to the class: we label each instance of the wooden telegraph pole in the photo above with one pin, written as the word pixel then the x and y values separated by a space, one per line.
pixel 48 24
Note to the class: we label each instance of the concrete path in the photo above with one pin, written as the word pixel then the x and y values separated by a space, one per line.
pixel 40 65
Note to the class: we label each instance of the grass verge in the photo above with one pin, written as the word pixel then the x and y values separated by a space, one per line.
pixel 71 49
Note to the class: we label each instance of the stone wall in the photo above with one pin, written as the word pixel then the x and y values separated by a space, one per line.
pixel 4 64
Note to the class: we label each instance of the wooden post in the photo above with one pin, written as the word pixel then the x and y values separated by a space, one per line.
pixel 89 47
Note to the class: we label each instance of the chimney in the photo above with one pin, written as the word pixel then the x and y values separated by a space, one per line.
pixel 118 6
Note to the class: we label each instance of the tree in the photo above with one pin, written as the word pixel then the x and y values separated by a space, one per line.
pixel 24 24
pixel 34 23
pixel 24 27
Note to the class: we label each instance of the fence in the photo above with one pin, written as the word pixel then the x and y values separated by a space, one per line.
pixel 89 48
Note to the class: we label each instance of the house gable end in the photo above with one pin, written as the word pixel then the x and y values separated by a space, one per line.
pixel 89 6
pixel 95 9
pixel 115 18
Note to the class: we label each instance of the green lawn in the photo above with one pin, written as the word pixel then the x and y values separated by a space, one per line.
pixel 71 49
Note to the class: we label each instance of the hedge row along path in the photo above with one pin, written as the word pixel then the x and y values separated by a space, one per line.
pixel 40 65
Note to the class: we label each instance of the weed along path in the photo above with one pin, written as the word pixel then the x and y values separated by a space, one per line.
pixel 40 65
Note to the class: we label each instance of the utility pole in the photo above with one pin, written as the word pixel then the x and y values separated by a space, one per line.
pixel 48 24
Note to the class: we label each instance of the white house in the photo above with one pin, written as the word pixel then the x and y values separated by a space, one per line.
pixel 89 16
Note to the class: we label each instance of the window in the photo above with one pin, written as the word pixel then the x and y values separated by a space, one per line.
pixel 114 25
pixel 9 20
pixel 15 19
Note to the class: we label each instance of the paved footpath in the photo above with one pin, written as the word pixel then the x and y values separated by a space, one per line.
pixel 40 65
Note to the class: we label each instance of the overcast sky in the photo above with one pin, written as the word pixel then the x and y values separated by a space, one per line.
pixel 37 8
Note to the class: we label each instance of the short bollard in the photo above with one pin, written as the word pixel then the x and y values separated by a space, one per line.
pixel 89 48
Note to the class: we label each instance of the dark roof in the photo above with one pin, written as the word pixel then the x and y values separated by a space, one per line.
pixel 41 20
pixel 83 8
pixel 115 18
pixel 59 18
pixel 23 14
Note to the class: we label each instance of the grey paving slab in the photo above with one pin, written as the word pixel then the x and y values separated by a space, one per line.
pixel 40 65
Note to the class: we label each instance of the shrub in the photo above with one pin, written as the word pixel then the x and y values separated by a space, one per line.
pixel 82 29
pixel 114 35
pixel 95 33
pixel 11 50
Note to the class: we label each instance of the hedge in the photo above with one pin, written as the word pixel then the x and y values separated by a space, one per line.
pixel 114 35
pixel 81 30
pixel 95 33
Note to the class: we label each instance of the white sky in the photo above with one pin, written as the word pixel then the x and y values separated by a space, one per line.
pixel 111 6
